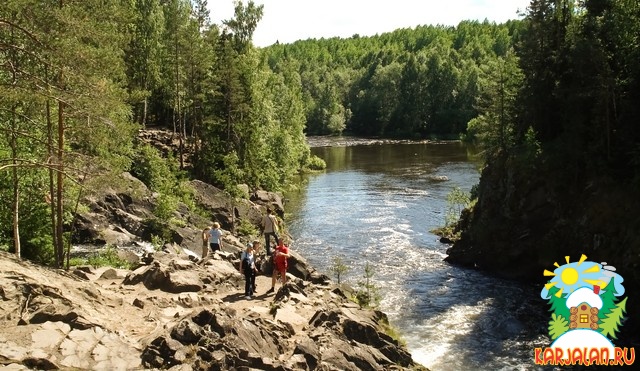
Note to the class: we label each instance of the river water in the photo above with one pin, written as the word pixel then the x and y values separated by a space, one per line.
pixel 377 204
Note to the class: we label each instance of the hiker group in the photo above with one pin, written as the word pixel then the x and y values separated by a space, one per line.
pixel 250 257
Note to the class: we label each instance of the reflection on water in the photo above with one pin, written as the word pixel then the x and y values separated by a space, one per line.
pixel 378 204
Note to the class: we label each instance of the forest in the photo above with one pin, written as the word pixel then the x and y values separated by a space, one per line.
pixel 553 93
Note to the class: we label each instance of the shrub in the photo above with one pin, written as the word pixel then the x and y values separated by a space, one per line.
pixel 157 242
pixel 246 228
pixel 315 163
pixel 108 258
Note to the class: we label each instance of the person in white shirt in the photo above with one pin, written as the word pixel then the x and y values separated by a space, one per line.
pixel 215 237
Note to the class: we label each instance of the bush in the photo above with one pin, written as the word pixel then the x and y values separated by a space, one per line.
pixel 166 206
pixel 246 228
pixel 315 163
pixel 108 258
pixel 157 242
pixel 155 172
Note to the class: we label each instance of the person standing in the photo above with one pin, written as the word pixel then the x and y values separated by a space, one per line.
pixel 281 254
pixel 215 237
pixel 269 228
pixel 205 242
pixel 248 267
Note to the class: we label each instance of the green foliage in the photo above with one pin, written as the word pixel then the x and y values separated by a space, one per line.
pixel 157 242
pixel 166 205
pixel 557 326
pixel 558 304
pixel 417 83
pixel 531 145
pixel 368 293
pixel 77 261
pixel 457 200
pixel 338 268
pixel 156 172
pixel 392 332
pixel 69 56
pixel 246 228
pixel 108 258
pixel 40 249
pixel 163 176
pixel 609 300
pixel 609 325
pixel 315 163
pixel 178 222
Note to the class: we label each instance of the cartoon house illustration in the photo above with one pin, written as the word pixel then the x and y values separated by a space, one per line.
pixel 584 305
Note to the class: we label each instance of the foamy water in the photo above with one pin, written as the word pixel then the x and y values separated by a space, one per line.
pixel 377 205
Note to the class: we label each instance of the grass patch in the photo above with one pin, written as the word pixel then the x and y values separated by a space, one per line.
pixel 108 258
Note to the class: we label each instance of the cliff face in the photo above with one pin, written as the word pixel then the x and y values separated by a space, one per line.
pixel 523 223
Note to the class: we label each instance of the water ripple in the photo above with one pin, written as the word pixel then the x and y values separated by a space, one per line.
pixel 370 210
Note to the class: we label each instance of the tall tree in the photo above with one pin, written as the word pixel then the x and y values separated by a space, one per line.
pixel 144 55
pixel 74 53
pixel 500 85
pixel 243 24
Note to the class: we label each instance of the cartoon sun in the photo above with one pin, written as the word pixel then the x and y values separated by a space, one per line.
pixel 572 276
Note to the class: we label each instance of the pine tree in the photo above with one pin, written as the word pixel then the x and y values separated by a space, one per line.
pixel 609 326
pixel 558 304
pixel 609 300
pixel 496 105
pixel 143 55
pixel 368 293
pixel 69 58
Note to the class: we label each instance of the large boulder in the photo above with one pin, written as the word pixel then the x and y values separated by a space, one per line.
pixel 218 203
pixel 269 199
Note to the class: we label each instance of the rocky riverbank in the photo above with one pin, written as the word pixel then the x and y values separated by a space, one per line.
pixel 177 311
pixel 523 223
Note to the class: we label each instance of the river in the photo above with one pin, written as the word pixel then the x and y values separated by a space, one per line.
pixel 377 204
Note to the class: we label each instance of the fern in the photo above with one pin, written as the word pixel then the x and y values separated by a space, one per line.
pixel 557 326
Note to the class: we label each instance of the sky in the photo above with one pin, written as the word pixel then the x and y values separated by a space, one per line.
pixel 289 20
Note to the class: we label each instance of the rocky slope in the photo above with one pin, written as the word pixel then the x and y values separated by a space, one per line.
pixel 176 311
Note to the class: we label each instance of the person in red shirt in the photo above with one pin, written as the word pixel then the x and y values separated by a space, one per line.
pixel 280 256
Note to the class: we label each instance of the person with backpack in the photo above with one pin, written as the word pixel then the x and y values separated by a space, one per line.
pixel 248 268
pixel 269 228
pixel 280 264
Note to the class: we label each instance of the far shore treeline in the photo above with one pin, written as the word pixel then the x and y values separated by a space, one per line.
pixel 554 94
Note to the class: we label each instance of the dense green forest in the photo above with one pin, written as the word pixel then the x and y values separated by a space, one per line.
pixel 553 94
pixel 417 83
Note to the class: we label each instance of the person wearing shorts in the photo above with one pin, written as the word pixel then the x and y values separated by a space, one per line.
pixel 215 237
pixel 280 256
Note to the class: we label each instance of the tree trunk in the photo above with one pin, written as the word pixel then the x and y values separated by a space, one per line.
pixel 60 185
pixel 16 184
pixel 14 161
pixel 51 153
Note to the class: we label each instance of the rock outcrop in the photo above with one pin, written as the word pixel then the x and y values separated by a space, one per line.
pixel 523 223
pixel 175 313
